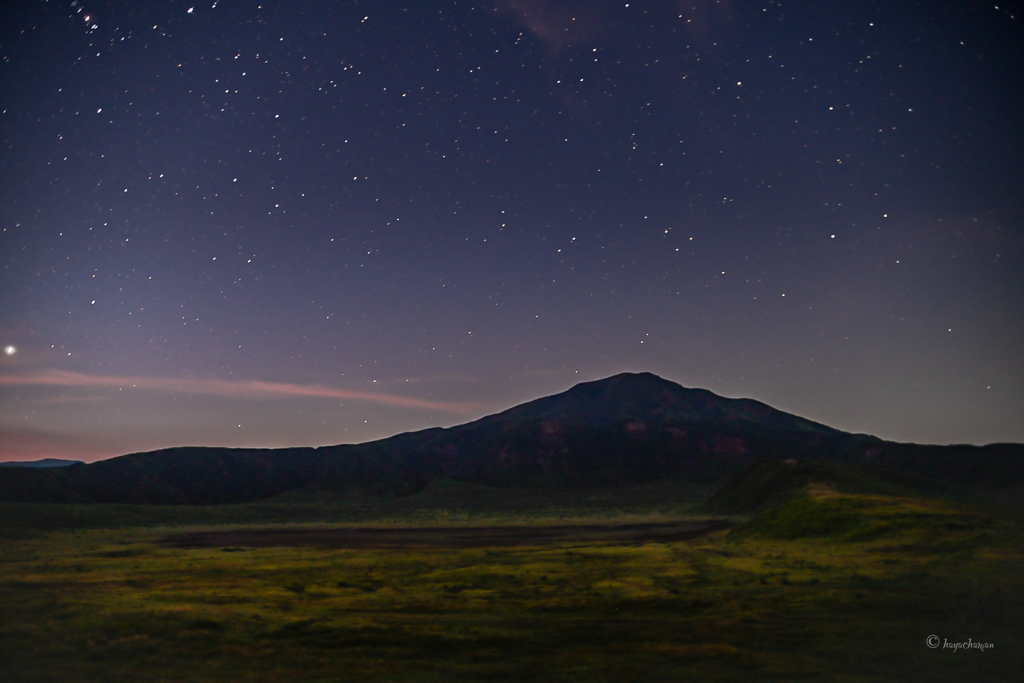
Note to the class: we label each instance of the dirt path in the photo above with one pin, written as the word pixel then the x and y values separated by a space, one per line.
pixel 445 537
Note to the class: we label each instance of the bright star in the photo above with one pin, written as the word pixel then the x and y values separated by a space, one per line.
pixel 10 350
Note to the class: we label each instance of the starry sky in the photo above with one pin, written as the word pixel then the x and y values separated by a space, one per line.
pixel 314 222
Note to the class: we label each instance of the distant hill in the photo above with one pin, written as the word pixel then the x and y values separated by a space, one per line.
pixel 629 428
pixel 766 483
pixel 45 462
pixel 791 499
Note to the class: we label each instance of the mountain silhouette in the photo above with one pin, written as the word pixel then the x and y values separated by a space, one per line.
pixel 629 428
pixel 45 462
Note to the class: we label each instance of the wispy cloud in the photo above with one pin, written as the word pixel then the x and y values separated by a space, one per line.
pixel 242 389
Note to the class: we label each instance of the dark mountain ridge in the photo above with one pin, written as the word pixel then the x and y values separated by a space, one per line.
pixel 625 429
pixel 45 462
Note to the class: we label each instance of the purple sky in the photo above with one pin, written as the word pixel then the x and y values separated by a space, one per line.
pixel 307 223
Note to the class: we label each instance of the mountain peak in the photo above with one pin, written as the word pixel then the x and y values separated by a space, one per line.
pixel 644 395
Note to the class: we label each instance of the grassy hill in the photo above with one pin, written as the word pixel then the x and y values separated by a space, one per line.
pixel 765 483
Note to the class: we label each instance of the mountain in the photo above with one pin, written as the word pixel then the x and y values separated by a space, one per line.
pixel 45 462
pixel 628 428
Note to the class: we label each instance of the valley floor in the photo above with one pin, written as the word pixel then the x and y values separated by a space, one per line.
pixel 755 603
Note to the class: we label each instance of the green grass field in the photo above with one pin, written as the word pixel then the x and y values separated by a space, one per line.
pixel 830 586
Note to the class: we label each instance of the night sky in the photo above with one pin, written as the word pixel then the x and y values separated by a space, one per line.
pixel 320 222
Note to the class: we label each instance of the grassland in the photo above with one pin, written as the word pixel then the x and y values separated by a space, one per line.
pixel 827 586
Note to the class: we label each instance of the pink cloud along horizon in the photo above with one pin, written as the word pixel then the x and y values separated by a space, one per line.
pixel 20 444
pixel 242 389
